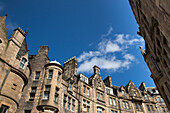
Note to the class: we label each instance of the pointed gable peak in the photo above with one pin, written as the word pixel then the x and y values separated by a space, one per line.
pixel 108 81
pixel 142 86
pixel 96 70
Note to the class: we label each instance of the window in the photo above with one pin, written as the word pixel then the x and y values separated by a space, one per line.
pixel 27 111
pixel 83 78
pixel 84 89
pixel 99 96
pixel 99 110
pixel 32 93
pixel 4 109
pixel 125 105
pixel 58 78
pixel 138 107
pixel 134 94
pixel 69 103
pixel 163 109
pixel 112 101
pixel 73 104
pixel 22 63
pixel 150 108
pixel 71 87
pixel 123 92
pixel 156 65
pixel 56 94
pixel 112 111
pixel 146 96
pixel 37 75
pixel 47 91
pixel 88 92
pixel 86 106
pixel 109 91
pixel 50 74
pixel 64 101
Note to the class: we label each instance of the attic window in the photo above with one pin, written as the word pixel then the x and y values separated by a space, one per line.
pixel 123 92
pixel 134 94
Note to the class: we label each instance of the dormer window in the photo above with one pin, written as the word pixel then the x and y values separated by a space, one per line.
pixel 146 96
pixel 22 63
pixel 134 94
pixel 123 92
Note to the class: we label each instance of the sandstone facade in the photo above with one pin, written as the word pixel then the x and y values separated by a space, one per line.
pixel 34 84
pixel 153 17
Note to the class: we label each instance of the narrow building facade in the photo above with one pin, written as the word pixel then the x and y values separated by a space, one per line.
pixel 153 18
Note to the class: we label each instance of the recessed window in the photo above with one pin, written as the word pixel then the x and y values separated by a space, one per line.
pixel 22 63
pixel 99 96
pixel 71 87
pixel 47 92
pixel 138 107
pixel 125 105
pixel 112 101
pixel 146 96
pixel 123 92
pixel 32 93
pixel 58 78
pixel 56 94
pixel 27 111
pixel 73 105
pixel 134 94
pixel 37 75
pixel 86 106
pixel 0 41
pixel 4 109
pixel 88 91
pixel 99 110
pixel 50 74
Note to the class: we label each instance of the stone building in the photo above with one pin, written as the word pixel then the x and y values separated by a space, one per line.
pixel 153 17
pixel 14 67
pixel 34 84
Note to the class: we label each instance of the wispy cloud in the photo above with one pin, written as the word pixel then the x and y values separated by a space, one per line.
pixel 11 25
pixel 1 6
pixel 111 53
pixel 108 32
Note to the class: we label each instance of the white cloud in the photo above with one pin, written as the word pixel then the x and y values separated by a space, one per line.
pixel 85 55
pixel 111 54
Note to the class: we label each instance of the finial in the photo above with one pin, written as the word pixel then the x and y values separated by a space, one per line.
pixel 142 51
pixel 27 31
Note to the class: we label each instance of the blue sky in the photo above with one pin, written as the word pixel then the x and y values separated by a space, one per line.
pixel 97 32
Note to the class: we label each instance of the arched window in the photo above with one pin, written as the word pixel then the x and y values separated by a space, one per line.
pixel 99 110
pixel 22 63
